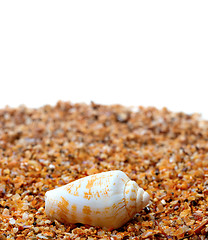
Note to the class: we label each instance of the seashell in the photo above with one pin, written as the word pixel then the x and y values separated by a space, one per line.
pixel 108 200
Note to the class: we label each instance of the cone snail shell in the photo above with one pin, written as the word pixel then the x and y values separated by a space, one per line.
pixel 108 200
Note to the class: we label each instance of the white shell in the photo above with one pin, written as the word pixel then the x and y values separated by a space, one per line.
pixel 108 199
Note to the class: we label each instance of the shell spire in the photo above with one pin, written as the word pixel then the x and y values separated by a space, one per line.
pixel 108 199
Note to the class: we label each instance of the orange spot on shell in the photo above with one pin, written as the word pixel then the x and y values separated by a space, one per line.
pixel 91 182
pixel 123 180
pixel 98 194
pixel 73 189
pixel 69 187
pixel 132 199
pixel 127 191
pixel 76 190
pixel 63 204
pixel 89 186
pixel 73 212
pixel 87 195
pixel 62 211
pixel 74 208
pixel 86 210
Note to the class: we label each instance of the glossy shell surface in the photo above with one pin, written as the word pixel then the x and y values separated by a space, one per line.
pixel 108 200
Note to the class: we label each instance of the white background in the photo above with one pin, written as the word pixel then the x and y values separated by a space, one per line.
pixel 150 53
